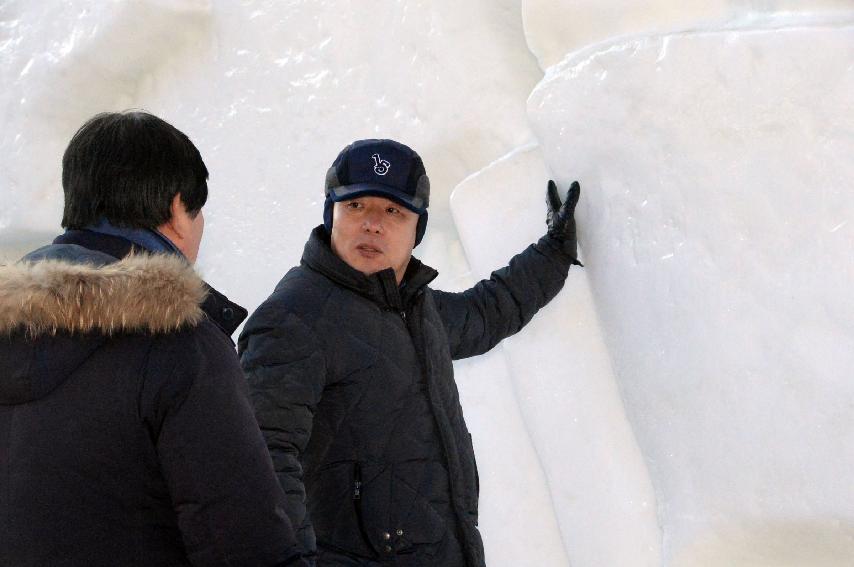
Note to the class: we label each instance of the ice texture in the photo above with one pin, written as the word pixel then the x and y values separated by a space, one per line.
pixel 557 27
pixel 60 63
pixel 719 237
pixel 270 92
pixel 687 400
pixel 564 382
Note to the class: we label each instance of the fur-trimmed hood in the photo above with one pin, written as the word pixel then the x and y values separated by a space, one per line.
pixel 57 310
pixel 142 292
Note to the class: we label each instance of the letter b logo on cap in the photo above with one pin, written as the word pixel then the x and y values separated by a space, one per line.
pixel 381 166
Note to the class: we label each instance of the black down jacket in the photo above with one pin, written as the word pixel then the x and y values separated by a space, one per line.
pixel 126 433
pixel 353 387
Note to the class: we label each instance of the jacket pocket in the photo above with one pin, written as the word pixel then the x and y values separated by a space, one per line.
pixel 335 508
pixel 422 507
pixel 395 508
pixel 360 508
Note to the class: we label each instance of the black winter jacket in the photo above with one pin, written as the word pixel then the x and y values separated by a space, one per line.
pixel 353 387
pixel 126 434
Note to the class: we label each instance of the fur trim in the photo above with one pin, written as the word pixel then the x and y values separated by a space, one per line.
pixel 141 292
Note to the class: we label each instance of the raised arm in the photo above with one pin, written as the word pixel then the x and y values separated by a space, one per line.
pixel 479 318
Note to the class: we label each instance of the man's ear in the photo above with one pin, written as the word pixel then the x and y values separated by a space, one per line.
pixel 178 224
pixel 179 221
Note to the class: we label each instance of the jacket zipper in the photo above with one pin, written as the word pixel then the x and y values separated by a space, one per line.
pixel 357 503
pixel 357 482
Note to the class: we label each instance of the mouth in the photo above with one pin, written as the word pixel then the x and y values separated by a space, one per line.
pixel 368 251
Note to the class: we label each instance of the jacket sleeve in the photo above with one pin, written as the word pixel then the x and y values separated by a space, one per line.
pixel 286 370
pixel 479 318
pixel 229 507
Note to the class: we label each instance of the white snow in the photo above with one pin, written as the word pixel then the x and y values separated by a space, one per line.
pixel 557 27
pixel 564 382
pixel 688 399
pixel 718 173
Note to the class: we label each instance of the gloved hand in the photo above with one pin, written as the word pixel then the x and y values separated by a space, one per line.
pixel 560 218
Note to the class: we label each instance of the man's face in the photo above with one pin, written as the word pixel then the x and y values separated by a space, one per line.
pixel 373 233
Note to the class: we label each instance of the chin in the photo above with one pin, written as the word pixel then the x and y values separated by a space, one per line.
pixel 366 268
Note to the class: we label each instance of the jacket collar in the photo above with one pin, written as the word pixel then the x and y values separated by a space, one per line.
pixel 380 287
pixel 54 295
pixel 149 239
pixel 92 253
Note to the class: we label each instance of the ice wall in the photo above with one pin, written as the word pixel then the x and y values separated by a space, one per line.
pixel 686 401
pixel 562 375
pixel 720 244
pixel 557 27
pixel 270 92
pixel 60 63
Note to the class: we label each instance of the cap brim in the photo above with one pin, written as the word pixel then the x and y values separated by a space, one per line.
pixel 346 192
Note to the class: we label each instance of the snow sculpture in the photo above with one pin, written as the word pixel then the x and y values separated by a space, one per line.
pixel 720 228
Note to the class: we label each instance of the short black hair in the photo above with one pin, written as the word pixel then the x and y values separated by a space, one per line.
pixel 127 167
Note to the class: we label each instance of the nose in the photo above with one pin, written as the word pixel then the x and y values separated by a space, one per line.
pixel 372 222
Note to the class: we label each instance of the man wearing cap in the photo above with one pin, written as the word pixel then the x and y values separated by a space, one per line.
pixel 349 362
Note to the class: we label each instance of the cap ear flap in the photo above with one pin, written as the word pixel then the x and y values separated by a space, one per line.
pixel 420 228
pixel 327 214
pixel 422 191
pixel 331 180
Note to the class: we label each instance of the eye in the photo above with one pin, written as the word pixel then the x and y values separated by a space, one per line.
pixel 353 205
pixel 392 210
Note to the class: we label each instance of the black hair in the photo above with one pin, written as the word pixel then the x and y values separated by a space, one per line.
pixel 127 167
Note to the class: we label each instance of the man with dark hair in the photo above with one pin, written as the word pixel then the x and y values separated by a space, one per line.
pixel 112 169
pixel 126 436
pixel 349 366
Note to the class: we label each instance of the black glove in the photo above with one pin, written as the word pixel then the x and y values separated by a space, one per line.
pixel 560 218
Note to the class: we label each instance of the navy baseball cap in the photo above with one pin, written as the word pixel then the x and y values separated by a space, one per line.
pixel 383 168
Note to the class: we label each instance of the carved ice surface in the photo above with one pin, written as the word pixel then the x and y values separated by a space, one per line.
pixel 557 27
pixel 687 401
pixel 717 227
pixel 564 382
pixel 270 92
